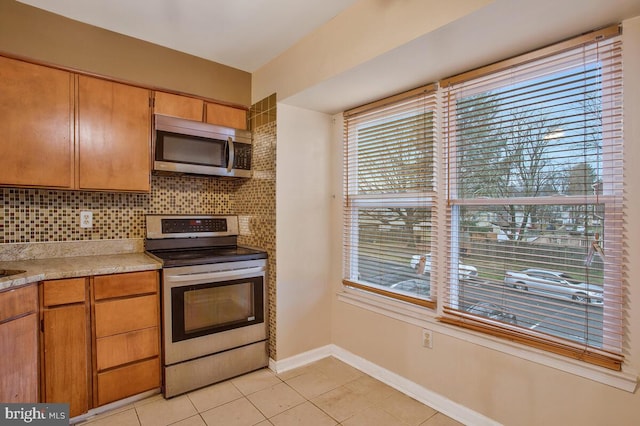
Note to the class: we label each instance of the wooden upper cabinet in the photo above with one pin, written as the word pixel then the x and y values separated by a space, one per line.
pixel 67 130
pixel 114 127
pixel 36 118
pixel 197 110
pixel 178 106
pixel 223 115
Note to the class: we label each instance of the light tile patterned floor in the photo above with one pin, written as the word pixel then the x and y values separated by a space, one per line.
pixel 327 392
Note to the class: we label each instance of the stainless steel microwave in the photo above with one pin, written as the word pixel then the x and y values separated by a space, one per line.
pixel 193 147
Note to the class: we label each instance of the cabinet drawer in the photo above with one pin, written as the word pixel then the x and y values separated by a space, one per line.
pixel 129 284
pixel 62 292
pixel 130 380
pixel 127 347
pixel 18 301
pixel 124 315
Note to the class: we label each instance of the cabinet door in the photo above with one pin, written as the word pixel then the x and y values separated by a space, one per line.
pixel 114 128
pixel 178 106
pixel 66 344
pixel 19 366
pixel 65 361
pixel 36 123
pixel 226 116
pixel 19 344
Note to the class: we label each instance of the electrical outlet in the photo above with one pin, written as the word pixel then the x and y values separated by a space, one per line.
pixel 86 219
pixel 427 338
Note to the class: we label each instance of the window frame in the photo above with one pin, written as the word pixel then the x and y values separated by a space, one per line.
pixel 449 312
pixel 353 200
pixel 491 334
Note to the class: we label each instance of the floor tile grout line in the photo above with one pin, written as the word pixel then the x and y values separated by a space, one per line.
pixel 178 421
pixel 135 410
pixel 277 414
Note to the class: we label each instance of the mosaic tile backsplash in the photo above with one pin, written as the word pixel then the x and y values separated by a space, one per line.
pixel 41 215
pixel 255 200
pixel 256 206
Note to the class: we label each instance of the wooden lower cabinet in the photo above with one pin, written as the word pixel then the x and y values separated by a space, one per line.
pixel 66 354
pixel 66 344
pixel 127 335
pixel 19 345
pixel 100 339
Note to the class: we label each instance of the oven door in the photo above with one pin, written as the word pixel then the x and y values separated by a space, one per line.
pixel 212 308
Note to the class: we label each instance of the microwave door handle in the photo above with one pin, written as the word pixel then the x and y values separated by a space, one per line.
pixel 232 154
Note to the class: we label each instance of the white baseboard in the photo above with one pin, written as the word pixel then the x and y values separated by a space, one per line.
pixel 301 360
pixel 432 399
pixel 113 406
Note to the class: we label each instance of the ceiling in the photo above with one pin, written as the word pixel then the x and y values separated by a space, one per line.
pixel 243 34
pixel 500 30
pixel 247 34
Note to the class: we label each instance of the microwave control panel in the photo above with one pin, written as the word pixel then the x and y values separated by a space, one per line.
pixel 242 156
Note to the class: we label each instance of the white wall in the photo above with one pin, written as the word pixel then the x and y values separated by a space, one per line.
pixel 303 316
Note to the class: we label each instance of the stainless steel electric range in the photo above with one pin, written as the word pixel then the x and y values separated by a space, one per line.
pixel 213 300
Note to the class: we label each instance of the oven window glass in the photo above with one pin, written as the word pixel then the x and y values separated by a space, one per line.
pixel 203 309
pixel 218 306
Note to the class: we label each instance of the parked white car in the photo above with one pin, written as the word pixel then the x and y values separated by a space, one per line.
pixel 554 283
pixel 464 271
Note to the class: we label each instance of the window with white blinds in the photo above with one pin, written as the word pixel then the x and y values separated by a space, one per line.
pixel 389 202
pixel 535 198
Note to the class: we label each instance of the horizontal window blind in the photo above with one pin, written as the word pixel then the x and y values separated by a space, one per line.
pixel 535 199
pixel 389 166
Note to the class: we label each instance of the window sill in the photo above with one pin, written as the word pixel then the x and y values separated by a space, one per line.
pixel 426 318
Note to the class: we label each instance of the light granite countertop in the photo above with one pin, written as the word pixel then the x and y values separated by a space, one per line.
pixel 56 266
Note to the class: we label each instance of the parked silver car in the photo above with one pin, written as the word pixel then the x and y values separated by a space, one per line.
pixel 464 271
pixel 554 283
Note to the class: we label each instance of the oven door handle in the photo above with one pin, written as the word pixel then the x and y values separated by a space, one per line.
pixel 216 276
